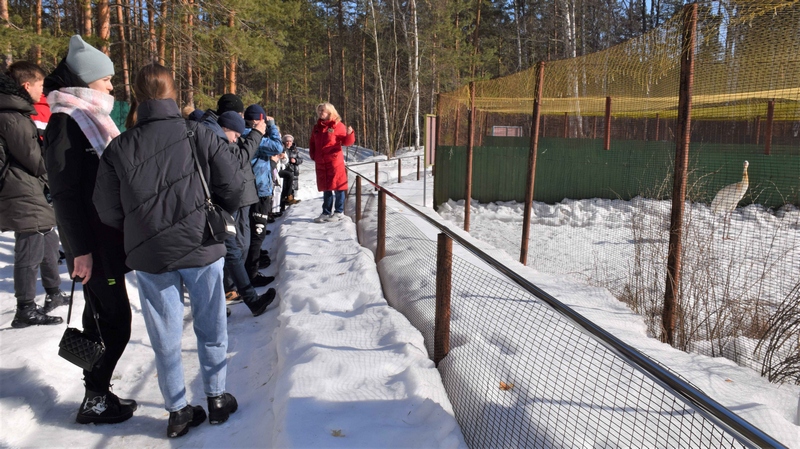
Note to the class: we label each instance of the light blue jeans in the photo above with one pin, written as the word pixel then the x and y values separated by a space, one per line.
pixel 162 308
pixel 328 197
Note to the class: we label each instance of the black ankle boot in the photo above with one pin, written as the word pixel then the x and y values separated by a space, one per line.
pixel 104 408
pixel 259 304
pixel 32 315
pixel 220 408
pixel 180 421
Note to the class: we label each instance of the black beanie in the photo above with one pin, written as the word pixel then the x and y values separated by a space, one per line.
pixel 232 121
pixel 229 102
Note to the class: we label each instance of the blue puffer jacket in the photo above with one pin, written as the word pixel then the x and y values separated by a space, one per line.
pixel 262 169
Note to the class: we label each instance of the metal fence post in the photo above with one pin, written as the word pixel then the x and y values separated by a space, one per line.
pixel 658 124
pixel 380 251
pixel 399 171
pixel 444 273
pixel 358 199
pixel 418 158
pixel 684 124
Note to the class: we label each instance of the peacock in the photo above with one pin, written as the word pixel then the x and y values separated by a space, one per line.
pixel 728 198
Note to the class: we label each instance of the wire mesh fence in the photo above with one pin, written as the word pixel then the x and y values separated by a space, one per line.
pixel 605 171
pixel 520 374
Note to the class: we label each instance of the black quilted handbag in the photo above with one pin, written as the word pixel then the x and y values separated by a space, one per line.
pixel 78 347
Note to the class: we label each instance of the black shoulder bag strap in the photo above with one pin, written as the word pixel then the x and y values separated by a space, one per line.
pixel 94 312
pixel 190 136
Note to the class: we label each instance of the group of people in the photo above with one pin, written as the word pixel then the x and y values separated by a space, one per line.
pixel 137 201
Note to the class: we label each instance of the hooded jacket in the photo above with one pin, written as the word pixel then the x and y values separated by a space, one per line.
pixel 325 149
pixel 72 170
pixel 148 186
pixel 22 198
pixel 293 152
pixel 244 150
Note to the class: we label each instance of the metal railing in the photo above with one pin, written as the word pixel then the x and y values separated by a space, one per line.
pixel 659 401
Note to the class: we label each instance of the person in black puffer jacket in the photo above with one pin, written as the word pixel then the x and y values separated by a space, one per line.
pixel 23 199
pixel 149 186
pixel 78 131
pixel 293 162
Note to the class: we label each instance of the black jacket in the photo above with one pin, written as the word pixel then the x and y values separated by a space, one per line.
pixel 244 150
pixel 293 152
pixel 72 170
pixel 148 186
pixel 23 206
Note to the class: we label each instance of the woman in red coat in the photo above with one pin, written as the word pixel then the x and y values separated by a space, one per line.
pixel 325 149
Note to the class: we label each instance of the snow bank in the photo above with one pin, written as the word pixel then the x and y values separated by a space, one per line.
pixel 348 364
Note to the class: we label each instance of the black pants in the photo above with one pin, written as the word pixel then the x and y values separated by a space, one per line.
pixel 288 185
pixel 34 252
pixel 109 298
pixel 259 213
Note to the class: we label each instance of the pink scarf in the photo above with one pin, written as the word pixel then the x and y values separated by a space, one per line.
pixel 91 109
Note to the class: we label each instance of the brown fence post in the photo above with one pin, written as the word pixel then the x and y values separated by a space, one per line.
pixel 684 124
pixel 418 161
pixel 399 170
pixel 566 125
pixel 376 175
pixel 607 140
pixel 768 130
pixel 534 149
pixel 470 148
pixel 594 127
pixel 358 199
pixel 444 273
pixel 380 251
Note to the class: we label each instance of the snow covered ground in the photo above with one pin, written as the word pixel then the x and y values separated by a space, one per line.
pixel 330 365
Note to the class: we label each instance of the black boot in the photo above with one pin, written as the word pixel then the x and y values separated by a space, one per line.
pixel 104 408
pixel 32 315
pixel 180 421
pixel 261 280
pixel 220 407
pixel 259 304
pixel 53 300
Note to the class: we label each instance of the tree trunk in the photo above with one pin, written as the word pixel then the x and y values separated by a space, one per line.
pixel 104 25
pixel 123 48
pixel 343 93
pixel 37 49
pixel 87 17
pixel 8 58
pixel 380 77
pixel 234 58
pixel 151 29
pixel 162 34
pixel 189 53
pixel 415 74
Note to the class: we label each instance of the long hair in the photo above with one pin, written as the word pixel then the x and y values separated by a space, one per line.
pixel 154 82
pixel 331 109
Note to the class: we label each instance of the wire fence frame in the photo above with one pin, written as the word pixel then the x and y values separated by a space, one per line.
pixel 675 396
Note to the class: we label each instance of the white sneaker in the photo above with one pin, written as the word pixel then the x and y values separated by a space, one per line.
pixel 337 216
pixel 323 218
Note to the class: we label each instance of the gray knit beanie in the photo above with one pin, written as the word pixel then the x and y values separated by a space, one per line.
pixel 89 63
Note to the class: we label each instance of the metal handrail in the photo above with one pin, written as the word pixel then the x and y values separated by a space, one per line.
pixel 384 160
pixel 742 430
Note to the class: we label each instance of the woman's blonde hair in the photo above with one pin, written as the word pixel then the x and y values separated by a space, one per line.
pixel 331 110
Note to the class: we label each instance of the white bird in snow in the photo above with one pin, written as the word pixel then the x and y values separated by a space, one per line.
pixel 728 198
